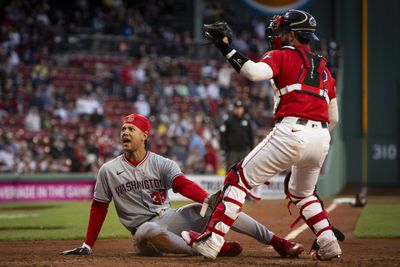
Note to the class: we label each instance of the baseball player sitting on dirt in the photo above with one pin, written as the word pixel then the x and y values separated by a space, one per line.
pixel 138 182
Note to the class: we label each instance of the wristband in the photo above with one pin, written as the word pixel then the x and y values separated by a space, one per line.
pixel 237 60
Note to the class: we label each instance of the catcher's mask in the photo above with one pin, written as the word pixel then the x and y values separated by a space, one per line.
pixel 298 21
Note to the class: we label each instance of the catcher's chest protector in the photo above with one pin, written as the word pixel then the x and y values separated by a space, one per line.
pixel 312 75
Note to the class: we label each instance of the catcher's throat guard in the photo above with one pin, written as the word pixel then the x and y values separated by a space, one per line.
pixel 274 31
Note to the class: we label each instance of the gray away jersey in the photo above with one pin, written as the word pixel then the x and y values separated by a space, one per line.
pixel 140 192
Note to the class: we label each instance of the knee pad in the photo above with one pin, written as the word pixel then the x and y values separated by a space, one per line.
pixel 231 178
pixel 235 175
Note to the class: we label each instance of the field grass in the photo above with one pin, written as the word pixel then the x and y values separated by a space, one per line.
pixel 55 220
pixel 379 221
pixel 68 220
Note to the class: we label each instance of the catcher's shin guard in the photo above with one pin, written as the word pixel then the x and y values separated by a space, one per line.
pixel 311 210
pixel 225 213
pixel 315 216
pixel 227 210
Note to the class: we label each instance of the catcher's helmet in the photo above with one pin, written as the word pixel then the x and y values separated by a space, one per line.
pixel 298 21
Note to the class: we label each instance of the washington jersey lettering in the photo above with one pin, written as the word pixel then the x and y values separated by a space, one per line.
pixel 139 192
pixel 138 185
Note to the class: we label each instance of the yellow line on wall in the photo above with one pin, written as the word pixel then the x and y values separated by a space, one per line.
pixel 365 66
pixel 364 93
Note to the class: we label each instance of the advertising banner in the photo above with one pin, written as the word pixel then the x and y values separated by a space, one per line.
pixel 46 191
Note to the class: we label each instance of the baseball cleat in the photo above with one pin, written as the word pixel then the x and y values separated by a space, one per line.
pixel 230 249
pixel 200 244
pixel 330 250
pixel 286 248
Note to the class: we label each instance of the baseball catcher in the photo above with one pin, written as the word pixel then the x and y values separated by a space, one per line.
pixel 138 182
pixel 305 113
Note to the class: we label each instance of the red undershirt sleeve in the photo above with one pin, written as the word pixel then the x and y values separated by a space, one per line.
pixel 189 189
pixel 98 213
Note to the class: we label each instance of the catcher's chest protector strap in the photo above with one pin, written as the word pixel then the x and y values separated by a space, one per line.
pixel 311 77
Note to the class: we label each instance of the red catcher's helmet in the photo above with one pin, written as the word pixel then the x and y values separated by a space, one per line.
pixel 298 21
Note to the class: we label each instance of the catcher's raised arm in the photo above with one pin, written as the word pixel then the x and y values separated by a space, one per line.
pixel 220 34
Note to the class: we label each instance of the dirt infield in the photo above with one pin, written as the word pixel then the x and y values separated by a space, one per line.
pixel 273 213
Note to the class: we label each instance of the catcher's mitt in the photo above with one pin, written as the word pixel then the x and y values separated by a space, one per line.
pixel 217 32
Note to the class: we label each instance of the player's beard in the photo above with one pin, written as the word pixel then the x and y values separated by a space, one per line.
pixel 285 42
pixel 285 39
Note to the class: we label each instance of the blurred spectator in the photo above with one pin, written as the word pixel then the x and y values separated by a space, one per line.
pixel 88 105
pixel 139 73
pixel 210 160
pixel 6 158
pixel 72 112
pixel 27 165
pixel 36 100
pixel 33 121
pixel 259 28
pixel 175 128
pixel 178 151
pixel 212 88
pixel 128 74
pixel 60 111
pixel 142 106
pixel 13 59
pixel 202 90
pixel 224 80
pixel 194 161
pixel 209 70
pixel 181 88
pixel 196 144
pixel 40 73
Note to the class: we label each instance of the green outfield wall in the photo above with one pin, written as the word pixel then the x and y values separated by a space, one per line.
pixel 342 20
